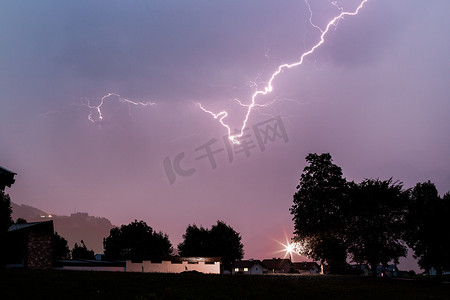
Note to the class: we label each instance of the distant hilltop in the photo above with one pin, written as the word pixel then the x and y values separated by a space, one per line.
pixel 76 227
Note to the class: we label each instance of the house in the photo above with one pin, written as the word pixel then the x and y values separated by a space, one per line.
pixel 6 178
pixel 176 264
pixel 389 271
pixel 99 257
pixel 432 272
pixel 248 267
pixel 30 245
pixel 277 265
pixel 306 268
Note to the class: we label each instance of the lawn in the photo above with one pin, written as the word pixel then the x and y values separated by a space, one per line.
pixel 53 284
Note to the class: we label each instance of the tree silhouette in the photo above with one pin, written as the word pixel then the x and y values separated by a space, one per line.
pixel 196 242
pixel 82 252
pixel 136 241
pixel 320 211
pixel 5 213
pixel 226 243
pixel 220 241
pixel 5 222
pixel 61 248
pixel 428 231
pixel 21 221
pixel 377 222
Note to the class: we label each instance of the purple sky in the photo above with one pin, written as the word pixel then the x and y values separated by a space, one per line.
pixel 375 95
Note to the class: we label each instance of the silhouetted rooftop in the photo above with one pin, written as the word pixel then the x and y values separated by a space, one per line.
pixel 6 178
pixel 247 263
pixel 47 225
pixel 277 263
pixel 305 265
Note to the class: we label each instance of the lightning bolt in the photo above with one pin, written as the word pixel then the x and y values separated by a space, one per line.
pixel 221 116
pixel 311 16
pixel 98 108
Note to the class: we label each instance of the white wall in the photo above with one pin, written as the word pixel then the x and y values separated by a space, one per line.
pixel 169 267
pixel 256 269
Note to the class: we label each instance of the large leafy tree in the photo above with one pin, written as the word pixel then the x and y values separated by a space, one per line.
pixel 320 211
pixel 226 243
pixel 377 222
pixel 428 231
pixel 136 241
pixel 220 241
pixel 196 242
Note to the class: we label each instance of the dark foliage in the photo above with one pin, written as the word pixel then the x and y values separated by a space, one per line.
pixel 61 248
pixel 5 222
pixel 82 252
pixel 196 242
pixel 5 213
pixel 376 226
pixel 320 211
pixel 334 218
pixel 136 241
pixel 220 241
pixel 21 221
pixel 428 231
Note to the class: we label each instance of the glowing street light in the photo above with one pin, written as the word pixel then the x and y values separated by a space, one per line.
pixel 289 248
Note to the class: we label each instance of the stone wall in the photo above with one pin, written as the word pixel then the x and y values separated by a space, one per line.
pixel 40 250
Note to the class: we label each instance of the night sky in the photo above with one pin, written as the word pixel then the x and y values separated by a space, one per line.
pixel 375 95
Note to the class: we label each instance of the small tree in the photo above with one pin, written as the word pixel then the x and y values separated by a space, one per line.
pixel 136 241
pixel 5 222
pixel 428 231
pixel 320 211
pixel 377 222
pixel 82 252
pixel 5 213
pixel 21 221
pixel 220 241
pixel 61 248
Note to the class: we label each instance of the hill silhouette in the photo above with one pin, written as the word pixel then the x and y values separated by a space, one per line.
pixel 76 227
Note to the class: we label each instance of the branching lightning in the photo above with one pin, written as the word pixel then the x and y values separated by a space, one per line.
pixel 98 108
pixel 311 16
pixel 221 116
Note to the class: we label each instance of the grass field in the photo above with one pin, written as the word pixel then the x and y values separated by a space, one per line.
pixel 53 284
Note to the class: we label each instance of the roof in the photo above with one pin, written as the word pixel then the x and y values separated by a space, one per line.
pixel 387 268
pixel 6 178
pixel 24 227
pixel 247 263
pixel 277 263
pixel 306 265
pixel 6 171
